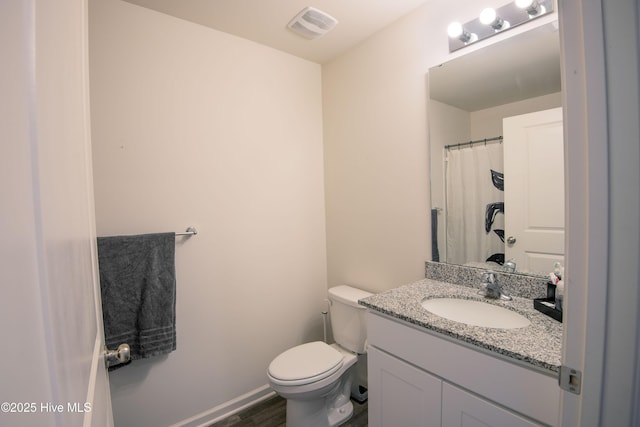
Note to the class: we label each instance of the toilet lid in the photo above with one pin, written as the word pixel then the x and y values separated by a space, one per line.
pixel 312 361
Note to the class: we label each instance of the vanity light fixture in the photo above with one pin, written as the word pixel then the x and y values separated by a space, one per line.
pixel 489 17
pixel 532 7
pixel 493 21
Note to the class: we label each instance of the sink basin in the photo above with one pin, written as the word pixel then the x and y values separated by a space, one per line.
pixel 476 313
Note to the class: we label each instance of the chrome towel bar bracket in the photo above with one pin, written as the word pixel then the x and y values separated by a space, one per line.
pixel 191 231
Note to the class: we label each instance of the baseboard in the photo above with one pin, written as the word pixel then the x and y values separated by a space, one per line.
pixel 227 409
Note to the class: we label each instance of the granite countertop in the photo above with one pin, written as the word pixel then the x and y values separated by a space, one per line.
pixel 538 344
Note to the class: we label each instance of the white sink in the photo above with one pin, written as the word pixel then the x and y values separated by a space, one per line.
pixel 476 313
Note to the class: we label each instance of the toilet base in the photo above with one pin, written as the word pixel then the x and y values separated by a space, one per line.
pixel 339 415
pixel 313 413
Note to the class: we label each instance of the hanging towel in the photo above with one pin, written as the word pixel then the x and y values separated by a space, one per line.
pixel 435 254
pixel 138 287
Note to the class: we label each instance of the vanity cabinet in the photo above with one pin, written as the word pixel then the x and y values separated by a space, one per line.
pixel 419 379
pixel 401 394
pixel 463 409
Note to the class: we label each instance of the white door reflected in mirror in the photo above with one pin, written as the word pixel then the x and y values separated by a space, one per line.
pixel 534 153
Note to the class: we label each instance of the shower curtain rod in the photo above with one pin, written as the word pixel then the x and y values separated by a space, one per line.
pixel 477 141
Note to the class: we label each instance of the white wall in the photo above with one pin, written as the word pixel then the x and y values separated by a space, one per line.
pixel 376 159
pixel 194 127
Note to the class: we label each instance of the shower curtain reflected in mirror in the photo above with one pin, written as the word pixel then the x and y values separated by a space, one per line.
pixel 475 205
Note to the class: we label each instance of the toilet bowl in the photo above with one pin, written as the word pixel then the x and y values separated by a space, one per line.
pixel 316 378
pixel 318 394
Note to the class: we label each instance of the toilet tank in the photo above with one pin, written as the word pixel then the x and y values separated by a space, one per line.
pixel 348 319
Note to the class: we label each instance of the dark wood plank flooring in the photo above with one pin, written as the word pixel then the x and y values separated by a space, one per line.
pixel 272 413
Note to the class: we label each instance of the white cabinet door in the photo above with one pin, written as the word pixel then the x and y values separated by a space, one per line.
pixel 401 394
pixel 463 409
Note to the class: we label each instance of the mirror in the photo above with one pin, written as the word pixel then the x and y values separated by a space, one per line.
pixel 476 107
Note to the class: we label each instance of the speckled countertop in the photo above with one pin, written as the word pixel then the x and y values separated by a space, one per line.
pixel 538 344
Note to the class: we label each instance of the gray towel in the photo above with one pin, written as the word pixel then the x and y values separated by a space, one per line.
pixel 435 254
pixel 138 286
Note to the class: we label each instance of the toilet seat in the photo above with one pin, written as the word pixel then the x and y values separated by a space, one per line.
pixel 305 364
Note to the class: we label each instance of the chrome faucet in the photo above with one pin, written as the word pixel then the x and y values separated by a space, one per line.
pixel 491 288
pixel 510 266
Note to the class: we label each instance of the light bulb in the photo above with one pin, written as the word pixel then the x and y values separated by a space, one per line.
pixel 523 4
pixel 532 6
pixel 455 30
pixel 488 16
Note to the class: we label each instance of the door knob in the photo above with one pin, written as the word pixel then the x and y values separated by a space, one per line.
pixel 511 240
pixel 117 357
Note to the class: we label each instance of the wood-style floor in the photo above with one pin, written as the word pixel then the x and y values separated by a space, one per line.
pixel 272 413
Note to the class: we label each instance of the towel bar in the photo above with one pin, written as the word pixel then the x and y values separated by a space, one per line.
pixel 191 231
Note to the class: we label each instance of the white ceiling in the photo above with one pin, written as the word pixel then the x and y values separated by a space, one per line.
pixel 265 21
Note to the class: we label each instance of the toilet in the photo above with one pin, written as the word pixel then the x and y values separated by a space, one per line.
pixel 317 378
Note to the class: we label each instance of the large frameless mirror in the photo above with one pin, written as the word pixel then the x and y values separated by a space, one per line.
pixel 497 163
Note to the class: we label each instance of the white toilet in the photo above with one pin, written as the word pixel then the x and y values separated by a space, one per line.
pixel 316 378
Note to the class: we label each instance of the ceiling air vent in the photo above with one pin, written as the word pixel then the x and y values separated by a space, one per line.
pixel 311 23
